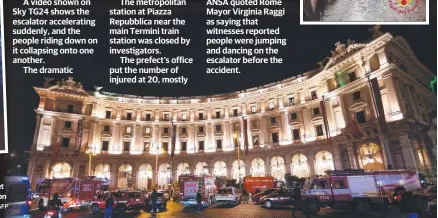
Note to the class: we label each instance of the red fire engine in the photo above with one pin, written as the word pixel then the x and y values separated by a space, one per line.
pixel 189 186
pixel 360 188
pixel 72 192
pixel 251 184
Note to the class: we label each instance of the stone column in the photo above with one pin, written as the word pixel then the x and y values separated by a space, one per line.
pixel 37 131
pixel 395 100
pixel 287 162
pixel 134 176
pixel 352 156
pixel 287 134
pixel 408 152
pixel 42 103
pixel 46 169
pixel 268 166
pixel 311 163
pixel 433 140
pixel 113 176
pixel 263 129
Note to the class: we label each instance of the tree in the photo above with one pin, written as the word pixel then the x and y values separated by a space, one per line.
pixel 220 181
pixel 231 182
pixel 290 179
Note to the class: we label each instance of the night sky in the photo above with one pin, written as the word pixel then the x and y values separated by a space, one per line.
pixel 306 46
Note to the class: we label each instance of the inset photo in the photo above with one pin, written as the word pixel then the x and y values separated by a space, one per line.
pixel 366 12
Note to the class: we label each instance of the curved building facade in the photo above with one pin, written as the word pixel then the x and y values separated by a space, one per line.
pixel 367 107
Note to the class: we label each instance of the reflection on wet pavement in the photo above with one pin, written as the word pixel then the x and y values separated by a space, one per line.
pixel 372 10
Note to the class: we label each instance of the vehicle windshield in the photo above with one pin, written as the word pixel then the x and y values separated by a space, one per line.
pixel 17 193
pixel 225 191
pixel 159 194
pixel 134 194
pixel 268 191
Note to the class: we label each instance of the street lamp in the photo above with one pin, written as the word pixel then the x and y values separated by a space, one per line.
pixel 157 151
pixel 236 137
pixel 90 153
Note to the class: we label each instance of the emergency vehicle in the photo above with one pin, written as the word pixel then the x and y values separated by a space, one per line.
pixel 251 184
pixel 359 188
pixel 189 186
pixel 72 192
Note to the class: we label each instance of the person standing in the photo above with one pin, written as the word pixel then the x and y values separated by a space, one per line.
pixel 199 200
pixel 411 205
pixel 298 201
pixel 154 197
pixel 109 203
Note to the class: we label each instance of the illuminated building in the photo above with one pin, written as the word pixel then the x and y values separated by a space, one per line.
pixel 286 132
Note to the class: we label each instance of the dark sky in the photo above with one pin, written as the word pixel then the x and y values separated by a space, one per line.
pixel 306 46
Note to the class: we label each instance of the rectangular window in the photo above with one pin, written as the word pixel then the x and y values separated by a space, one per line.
pixel 184 116
pixel 296 134
pixel 69 108
pixel 147 130
pixel 67 124
pixel 166 130
pixel 106 128
pixel 146 146
pixel 316 111
pixel 165 146
pixel 274 137
pixel 166 117
pixel 148 117
pixel 126 146
pixel 105 145
pixel 218 114
pixel 235 112
pixel 352 76
pixel 360 117
pixel 201 116
pixel 273 121
pixel 218 128
pixel 356 95
pixel 293 116
pixel 184 130
pixel 255 140
pixel 201 129
pixel 65 142
pixel 201 145
pixel 129 116
pixel 291 101
pixel 253 109
pixel 128 129
pixel 271 105
pixel 108 115
pixel 314 96
pixel 319 131
pixel 219 144
pixel 184 146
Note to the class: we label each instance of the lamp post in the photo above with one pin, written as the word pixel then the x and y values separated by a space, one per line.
pixel 156 161
pixel 90 153
pixel 236 138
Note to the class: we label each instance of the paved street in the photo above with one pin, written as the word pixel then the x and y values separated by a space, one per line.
pixel 371 10
pixel 241 211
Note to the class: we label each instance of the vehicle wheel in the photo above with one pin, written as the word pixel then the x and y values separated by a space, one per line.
pixel 311 207
pixel 363 207
pixel 41 204
pixel 121 209
pixel 268 204
pixel 95 209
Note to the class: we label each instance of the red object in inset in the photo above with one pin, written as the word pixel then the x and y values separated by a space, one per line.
pixel 403 2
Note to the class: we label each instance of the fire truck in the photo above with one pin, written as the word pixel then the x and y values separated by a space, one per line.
pixel 360 189
pixel 251 184
pixel 189 186
pixel 72 192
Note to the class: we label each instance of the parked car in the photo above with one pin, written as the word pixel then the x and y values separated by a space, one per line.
pixel 161 202
pixel 123 200
pixel 228 195
pixel 268 191
pixel 281 197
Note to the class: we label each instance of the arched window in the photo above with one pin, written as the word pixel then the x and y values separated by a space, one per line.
pixel 61 170
pixel 220 169
pixel 370 157
pixel 144 177
pixel 235 170
pixel 277 168
pixel 323 162
pixel 183 168
pixel 201 169
pixel 258 167
pixel 102 171
pixel 299 166
pixel 125 176
pixel 164 172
